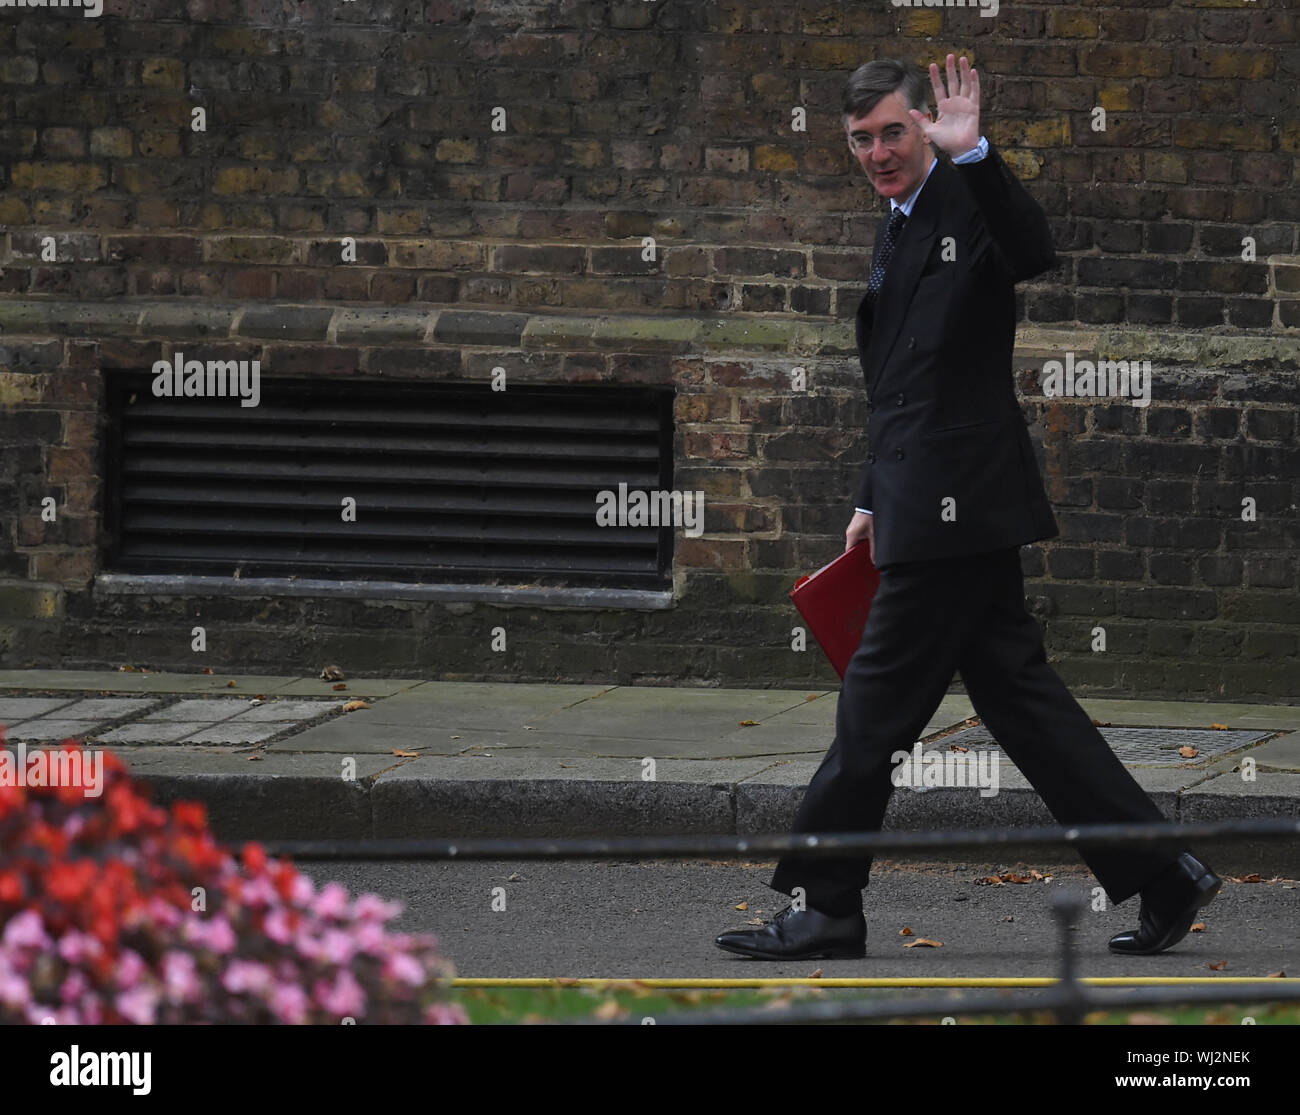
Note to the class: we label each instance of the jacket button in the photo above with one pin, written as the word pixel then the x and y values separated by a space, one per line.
pixel 871 458
pixel 901 400
pixel 898 453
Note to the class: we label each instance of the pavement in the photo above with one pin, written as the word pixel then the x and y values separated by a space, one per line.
pixel 285 757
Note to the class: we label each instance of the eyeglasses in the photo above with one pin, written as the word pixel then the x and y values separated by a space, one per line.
pixel 891 137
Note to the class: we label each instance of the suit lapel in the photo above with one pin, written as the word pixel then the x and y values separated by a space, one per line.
pixel 910 254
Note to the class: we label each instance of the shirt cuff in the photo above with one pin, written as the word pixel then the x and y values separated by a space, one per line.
pixel 863 510
pixel 975 153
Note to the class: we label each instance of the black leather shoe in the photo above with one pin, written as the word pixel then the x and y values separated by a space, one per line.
pixel 1169 906
pixel 801 935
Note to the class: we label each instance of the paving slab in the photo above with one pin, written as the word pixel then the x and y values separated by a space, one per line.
pixel 55 731
pixel 153 731
pixel 288 710
pixel 1280 754
pixel 234 731
pixel 15 709
pixel 457 705
pixel 1190 714
pixel 673 715
pixel 129 681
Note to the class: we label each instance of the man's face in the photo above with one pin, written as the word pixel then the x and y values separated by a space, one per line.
pixel 894 171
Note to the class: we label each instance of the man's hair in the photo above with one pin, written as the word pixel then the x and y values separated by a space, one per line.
pixel 873 80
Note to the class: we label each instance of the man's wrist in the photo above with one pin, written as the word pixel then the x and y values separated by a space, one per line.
pixel 975 154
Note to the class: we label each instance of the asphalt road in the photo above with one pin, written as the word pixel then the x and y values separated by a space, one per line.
pixel 620 919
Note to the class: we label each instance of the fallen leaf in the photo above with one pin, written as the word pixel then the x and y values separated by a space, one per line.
pixel 812 696
pixel 906 931
pixel 514 878
pixel 1277 975
pixel 1252 878
pixel 1141 1018
pixel 609 1009
pixel 756 921
pixel 1188 752
pixel 255 701
pixel 129 669
pixel 816 975
pixel 255 758
pixel 405 754
pixel 352 706
pixel 958 747
pixel 923 942
pixel 1009 917
pixel 971 722
pixel 260 697
pixel 339 687
pixel 332 673
pixel 749 723
pixel 1219 727
pixel 742 906
pixel 1199 927
pixel 207 669
pixel 231 685
pixel 1219 966
pixel 1101 723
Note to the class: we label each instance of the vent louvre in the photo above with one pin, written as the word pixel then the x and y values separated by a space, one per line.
pixel 453 483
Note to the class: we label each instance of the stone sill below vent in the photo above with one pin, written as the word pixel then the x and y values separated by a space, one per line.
pixel 146 584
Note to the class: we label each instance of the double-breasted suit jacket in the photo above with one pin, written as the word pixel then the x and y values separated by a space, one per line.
pixel 950 468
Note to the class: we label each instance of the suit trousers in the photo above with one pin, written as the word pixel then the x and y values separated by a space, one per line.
pixel 927 620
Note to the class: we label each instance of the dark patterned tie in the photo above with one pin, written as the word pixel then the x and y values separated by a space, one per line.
pixel 885 252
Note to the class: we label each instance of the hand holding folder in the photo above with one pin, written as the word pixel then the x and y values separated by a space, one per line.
pixel 835 601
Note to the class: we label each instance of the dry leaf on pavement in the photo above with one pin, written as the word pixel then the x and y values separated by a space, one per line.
pixel 352 706
pixel 923 942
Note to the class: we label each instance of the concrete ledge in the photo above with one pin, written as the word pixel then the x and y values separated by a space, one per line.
pixel 507 327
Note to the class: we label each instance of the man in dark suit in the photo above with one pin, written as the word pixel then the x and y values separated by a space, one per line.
pixel 949 493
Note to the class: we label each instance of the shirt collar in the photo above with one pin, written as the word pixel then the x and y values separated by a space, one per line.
pixel 906 207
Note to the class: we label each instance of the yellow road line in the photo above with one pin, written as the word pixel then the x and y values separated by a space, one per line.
pixel 866 982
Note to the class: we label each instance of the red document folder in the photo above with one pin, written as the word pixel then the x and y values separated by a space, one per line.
pixel 835 601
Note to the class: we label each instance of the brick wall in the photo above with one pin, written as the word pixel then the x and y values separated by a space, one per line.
pixel 130 231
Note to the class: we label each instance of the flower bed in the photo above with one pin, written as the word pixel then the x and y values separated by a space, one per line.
pixel 117 910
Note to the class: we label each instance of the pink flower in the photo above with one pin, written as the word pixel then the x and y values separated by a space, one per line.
pixel 336 946
pixel 343 997
pixel 246 975
pixel 129 968
pixel 25 930
pixel 369 937
pixel 14 990
pixel 77 947
pixel 137 1005
pixel 370 907
pixel 302 891
pixel 180 977
pixel 404 967
pixel 74 986
pixel 332 902
pixel 445 1014
pixel 290 1003
pixel 277 927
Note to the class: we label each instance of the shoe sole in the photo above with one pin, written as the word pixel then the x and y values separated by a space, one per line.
pixel 1207 889
pixel 819 954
